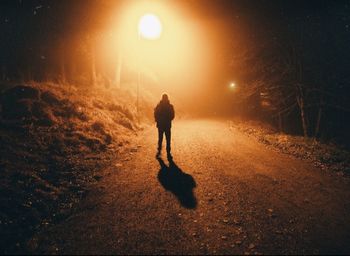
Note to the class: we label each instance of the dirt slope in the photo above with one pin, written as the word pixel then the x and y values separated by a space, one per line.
pixel 54 140
pixel 225 193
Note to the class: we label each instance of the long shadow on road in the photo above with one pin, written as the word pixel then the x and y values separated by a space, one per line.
pixel 181 184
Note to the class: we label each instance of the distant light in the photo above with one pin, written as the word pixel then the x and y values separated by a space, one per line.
pixel 150 26
pixel 232 85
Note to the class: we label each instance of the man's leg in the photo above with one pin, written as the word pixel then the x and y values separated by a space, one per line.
pixel 160 139
pixel 168 140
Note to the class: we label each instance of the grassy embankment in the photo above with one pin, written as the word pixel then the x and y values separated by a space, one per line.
pixel 54 141
pixel 326 156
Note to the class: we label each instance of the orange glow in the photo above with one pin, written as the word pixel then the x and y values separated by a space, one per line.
pixel 150 26
pixel 177 61
pixel 182 61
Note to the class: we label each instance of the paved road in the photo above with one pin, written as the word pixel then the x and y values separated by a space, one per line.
pixel 224 193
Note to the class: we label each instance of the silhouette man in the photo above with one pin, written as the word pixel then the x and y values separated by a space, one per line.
pixel 163 114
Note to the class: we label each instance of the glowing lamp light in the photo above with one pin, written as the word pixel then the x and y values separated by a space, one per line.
pixel 232 85
pixel 150 27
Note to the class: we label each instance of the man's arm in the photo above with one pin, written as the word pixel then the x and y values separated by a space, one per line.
pixel 172 112
pixel 156 113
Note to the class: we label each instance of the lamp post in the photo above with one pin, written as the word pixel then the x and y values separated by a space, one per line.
pixel 138 81
pixel 149 28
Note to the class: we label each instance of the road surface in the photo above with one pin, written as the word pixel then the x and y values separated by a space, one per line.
pixel 224 193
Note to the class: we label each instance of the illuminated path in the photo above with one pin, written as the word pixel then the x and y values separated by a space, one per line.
pixel 248 199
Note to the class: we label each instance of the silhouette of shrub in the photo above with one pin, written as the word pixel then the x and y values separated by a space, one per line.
pixel 93 143
pixel 20 92
pixel 50 98
pixel 69 110
pixel 16 102
pixel 43 114
pixel 98 127
pixel 108 138
pixel 17 109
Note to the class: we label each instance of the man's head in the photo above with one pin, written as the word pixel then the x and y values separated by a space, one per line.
pixel 165 97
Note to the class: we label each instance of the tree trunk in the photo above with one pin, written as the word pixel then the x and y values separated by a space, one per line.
pixel 3 72
pixel 73 71
pixel 117 77
pixel 63 67
pixel 28 75
pixel 62 59
pixel 302 115
pixel 93 63
pixel 280 122
pixel 317 128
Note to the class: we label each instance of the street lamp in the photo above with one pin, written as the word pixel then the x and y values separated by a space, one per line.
pixel 232 85
pixel 150 26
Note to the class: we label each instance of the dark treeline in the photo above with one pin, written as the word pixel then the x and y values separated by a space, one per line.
pixel 296 68
pixel 51 40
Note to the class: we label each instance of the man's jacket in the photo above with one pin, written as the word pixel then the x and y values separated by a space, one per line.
pixel 163 114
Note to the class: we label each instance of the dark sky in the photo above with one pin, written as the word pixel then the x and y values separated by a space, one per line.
pixel 56 16
pixel 32 16
pixel 30 27
pixel 21 19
